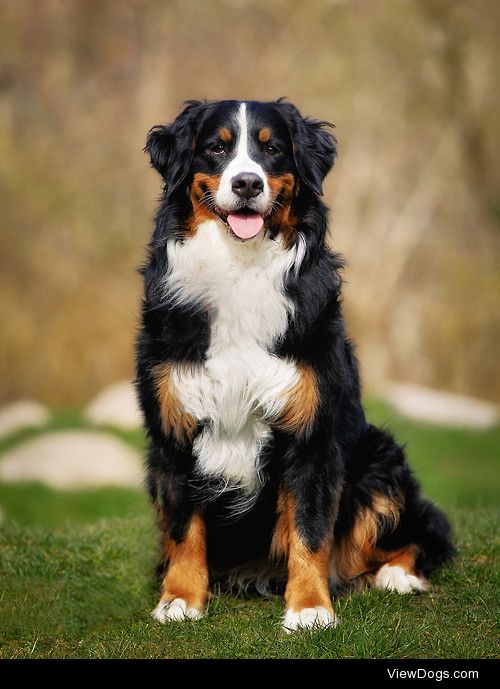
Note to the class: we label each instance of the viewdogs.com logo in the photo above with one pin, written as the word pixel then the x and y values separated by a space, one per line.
pixel 437 675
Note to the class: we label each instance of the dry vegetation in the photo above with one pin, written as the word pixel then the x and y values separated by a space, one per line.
pixel 412 89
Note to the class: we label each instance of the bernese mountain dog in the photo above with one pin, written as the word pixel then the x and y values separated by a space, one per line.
pixel 262 466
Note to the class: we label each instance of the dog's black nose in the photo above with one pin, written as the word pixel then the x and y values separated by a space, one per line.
pixel 247 185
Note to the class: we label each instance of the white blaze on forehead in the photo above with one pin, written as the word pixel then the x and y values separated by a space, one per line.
pixel 242 162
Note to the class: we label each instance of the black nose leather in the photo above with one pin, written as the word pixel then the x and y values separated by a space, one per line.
pixel 247 185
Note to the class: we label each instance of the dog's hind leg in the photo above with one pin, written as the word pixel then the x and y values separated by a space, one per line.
pixel 357 557
pixel 428 530
pixel 387 535
pixel 399 572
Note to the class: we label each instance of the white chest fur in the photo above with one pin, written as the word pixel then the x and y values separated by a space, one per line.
pixel 241 385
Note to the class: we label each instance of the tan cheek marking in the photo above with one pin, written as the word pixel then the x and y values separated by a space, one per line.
pixel 264 135
pixel 187 573
pixel 282 184
pixel 356 553
pixel 302 403
pixel 283 218
pixel 225 134
pixel 307 584
pixel 176 421
pixel 202 206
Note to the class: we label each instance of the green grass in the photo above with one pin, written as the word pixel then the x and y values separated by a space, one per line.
pixel 34 503
pixel 86 592
pixel 77 567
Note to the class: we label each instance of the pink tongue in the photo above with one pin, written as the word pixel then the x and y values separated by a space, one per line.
pixel 245 226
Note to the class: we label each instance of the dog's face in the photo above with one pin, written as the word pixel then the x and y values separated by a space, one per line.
pixel 242 162
pixel 243 166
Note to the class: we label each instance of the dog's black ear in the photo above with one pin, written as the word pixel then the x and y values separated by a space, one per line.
pixel 314 147
pixel 171 146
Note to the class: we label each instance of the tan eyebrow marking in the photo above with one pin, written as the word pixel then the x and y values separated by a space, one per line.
pixel 225 134
pixel 264 135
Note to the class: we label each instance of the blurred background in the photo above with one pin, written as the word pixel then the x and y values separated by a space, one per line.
pixel 414 196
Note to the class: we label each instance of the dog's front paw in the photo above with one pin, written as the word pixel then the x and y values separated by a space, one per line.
pixel 309 618
pixel 176 610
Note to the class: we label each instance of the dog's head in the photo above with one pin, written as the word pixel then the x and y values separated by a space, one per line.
pixel 244 162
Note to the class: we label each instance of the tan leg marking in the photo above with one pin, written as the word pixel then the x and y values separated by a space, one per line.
pixel 307 596
pixel 357 559
pixel 405 558
pixel 185 584
pixel 355 553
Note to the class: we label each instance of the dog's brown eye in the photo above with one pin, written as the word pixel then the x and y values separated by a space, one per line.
pixel 271 150
pixel 217 149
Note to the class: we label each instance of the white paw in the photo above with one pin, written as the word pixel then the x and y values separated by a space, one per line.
pixel 309 618
pixel 395 578
pixel 175 611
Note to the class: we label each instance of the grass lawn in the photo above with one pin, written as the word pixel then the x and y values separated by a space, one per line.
pixel 76 572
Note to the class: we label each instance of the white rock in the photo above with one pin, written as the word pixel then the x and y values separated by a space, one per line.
pixel 116 405
pixel 73 459
pixel 444 408
pixel 21 414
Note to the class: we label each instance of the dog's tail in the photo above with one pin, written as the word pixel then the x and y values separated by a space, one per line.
pixel 434 538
